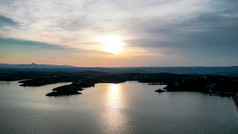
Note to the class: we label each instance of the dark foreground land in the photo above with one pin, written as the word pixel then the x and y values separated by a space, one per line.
pixel 81 79
pixel 217 80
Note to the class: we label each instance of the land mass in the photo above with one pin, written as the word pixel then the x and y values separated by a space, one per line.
pixel 88 78
pixel 220 70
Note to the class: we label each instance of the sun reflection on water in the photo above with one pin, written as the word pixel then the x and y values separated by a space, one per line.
pixel 114 117
pixel 114 96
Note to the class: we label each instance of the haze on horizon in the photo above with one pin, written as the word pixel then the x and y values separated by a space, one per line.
pixel 111 33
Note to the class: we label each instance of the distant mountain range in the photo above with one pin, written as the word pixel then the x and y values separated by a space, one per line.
pixel 232 70
pixel 32 65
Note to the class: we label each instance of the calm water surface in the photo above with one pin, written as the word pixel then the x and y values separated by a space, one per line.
pixel 125 108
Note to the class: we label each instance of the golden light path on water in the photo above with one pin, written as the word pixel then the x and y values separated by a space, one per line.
pixel 114 96
pixel 114 118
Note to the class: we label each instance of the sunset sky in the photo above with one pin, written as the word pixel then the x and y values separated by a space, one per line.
pixel 109 33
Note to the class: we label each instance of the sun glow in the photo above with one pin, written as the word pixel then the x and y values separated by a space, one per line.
pixel 112 45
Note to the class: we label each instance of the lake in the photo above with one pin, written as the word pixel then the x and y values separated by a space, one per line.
pixel 124 108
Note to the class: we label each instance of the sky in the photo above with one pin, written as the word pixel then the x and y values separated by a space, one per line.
pixel 119 33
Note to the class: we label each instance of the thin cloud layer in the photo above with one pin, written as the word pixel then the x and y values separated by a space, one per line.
pixel 152 28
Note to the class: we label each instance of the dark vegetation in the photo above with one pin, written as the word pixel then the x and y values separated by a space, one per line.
pixel 231 71
pixel 87 78
pixel 72 88
pixel 204 83
pixel 65 90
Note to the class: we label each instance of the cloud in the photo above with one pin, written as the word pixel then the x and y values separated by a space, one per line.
pixel 5 21
pixel 71 22
pixel 27 43
pixel 163 26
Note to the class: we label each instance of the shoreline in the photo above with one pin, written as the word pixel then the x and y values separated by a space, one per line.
pixel 235 100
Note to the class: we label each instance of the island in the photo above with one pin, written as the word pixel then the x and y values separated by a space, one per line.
pixel 72 89
pixel 65 90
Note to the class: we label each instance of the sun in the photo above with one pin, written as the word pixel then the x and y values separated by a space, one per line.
pixel 112 44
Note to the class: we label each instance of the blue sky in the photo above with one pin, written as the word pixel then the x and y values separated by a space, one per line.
pixel 154 32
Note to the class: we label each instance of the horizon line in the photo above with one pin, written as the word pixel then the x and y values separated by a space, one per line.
pixel 123 66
